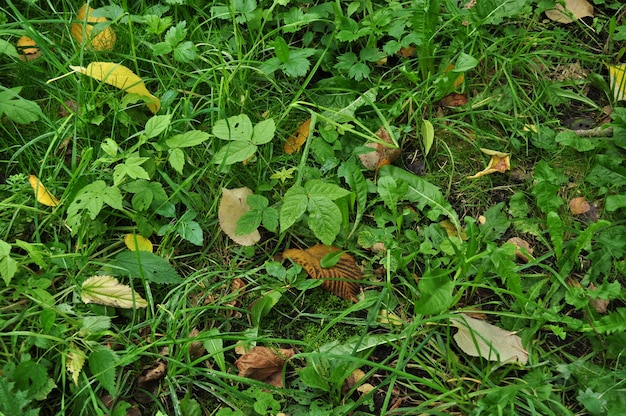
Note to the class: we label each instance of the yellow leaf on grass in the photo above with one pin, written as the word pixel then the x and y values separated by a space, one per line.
pixel 27 49
pixel 136 242
pixel 577 8
pixel 74 361
pixel 121 77
pixel 41 193
pixel 342 279
pixel 107 291
pixel 481 339
pixel 81 30
pixel 233 205
pixel 617 81
pixel 500 162
pixel 297 139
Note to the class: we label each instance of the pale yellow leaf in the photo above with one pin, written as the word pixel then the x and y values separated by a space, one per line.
pixel 481 339
pixel 136 242
pixel 106 290
pixel 500 162
pixel 232 206
pixel 41 193
pixel 81 31
pixel 577 8
pixel 617 81
pixel 121 77
pixel 74 361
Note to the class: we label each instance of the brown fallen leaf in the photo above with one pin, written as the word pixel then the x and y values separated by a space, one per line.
pixel 232 207
pixel 342 279
pixel 382 154
pixel 263 364
pixel 600 305
pixel 579 205
pixel 196 349
pixel 577 8
pixel 81 30
pixel 298 138
pixel 524 250
pixel 27 49
pixel 149 380
pixel 453 100
pixel 500 162
pixel 407 52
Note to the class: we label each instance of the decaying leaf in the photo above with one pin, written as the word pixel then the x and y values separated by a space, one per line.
pixel 120 77
pixel 407 52
pixel 42 195
pixel 500 162
pixel 579 205
pixel 74 362
pixel 342 279
pixel 298 138
pixel 453 100
pixel 196 349
pixel 481 339
pixel 136 242
pixel 263 364
pixel 232 206
pixel 382 154
pixel 577 8
pixel 452 230
pixel 81 30
pixel 524 250
pixel 148 381
pixel 617 81
pixel 106 290
pixel 599 304
pixel 27 49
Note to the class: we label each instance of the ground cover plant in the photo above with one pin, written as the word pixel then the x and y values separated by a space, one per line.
pixel 306 207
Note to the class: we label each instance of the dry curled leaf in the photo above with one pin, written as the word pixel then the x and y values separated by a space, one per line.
pixel 232 206
pixel 148 381
pixel 383 154
pixel 342 279
pixel 120 77
pixel 577 8
pixel 27 49
pixel 579 205
pixel 263 364
pixel 500 162
pixel 453 100
pixel 298 138
pixel 83 32
pixel 42 195
pixel 481 339
pixel 524 250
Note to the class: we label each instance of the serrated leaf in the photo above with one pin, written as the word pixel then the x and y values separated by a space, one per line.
pixel 263 131
pixel 102 363
pixel 146 265
pixel 176 158
pixel 120 77
pixel 185 52
pixel 238 128
pixel 295 204
pixel 187 139
pixel 92 198
pixel 324 219
pixel 8 266
pixel 157 125
pixel 18 109
pixel 106 290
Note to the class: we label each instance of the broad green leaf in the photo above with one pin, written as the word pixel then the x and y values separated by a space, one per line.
pixel 213 344
pixel 573 140
pixel 324 219
pixel 8 49
pixel 318 188
pixel 131 168
pixel 436 290
pixel 391 191
pixel 237 128
pixel 347 113
pixel 465 62
pixel 264 305
pixel 92 198
pixel 615 202
pixel 234 152
pixel 547 185
pixel 281 49
pixel 102 363
pixel 95 324
pixel 18 109
pixel 157 125
pixel 176 158
pixel 263 131
pixel 142 264
pixel 13 402
pixel 8 266
pixel 185 52
pixel 295 204
pixel 188 139
pixel 106 290
pixel 191 231
pixel 428 136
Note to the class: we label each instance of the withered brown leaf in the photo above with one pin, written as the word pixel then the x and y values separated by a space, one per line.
pixel 264 364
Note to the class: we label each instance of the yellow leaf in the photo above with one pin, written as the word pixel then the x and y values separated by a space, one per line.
pixel 74 361
pixel 577 8
pixel 81 30
pixel 500 162
pixel 28 49
pixel 297 139
pixel 341 279
pixel 41 193
pixel 136 242
pixel 232 206
pixel 107 291
pixel 121 77
pixel 617 81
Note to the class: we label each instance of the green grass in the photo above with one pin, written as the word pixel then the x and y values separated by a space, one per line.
pixel 524 77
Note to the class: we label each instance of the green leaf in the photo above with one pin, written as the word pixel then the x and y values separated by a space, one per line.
pixel 185 52
pixel 176 158
pixel 324 219
pixel 213 344
pixel 436 290
pixel 428 136
pixel 92 198
pixel 555 228
pixel 281 49
pixel 295 204
pixel 132 168
pixel 146 265
pixel 176 34
pixel 32 377
pixel 318 188
pixel 264 305
pixel 234 152
pixel 237 128
pixel 187 139
pixel 614 202
pixel 263 131
pixel 357 183
pixel 547 185
pixel 465 62
pixel 346 114
pixel 249 222
pixel 190 231
pixel 8 49
pixel 391 191
pixel 102 363
pixel 8 266
pixel 13 402
pixel 161 48
pixel 573 140
pixel 18 109
pixel 157 125
pixel 270 219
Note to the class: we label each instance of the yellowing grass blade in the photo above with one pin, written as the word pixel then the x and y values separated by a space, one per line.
pixel 121 77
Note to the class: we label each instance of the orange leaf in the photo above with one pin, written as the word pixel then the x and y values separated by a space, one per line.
pixel 297 139
pixel 28 49
pixel 41 193
pixel 263 364
pixel 341 279
pixel 407 52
